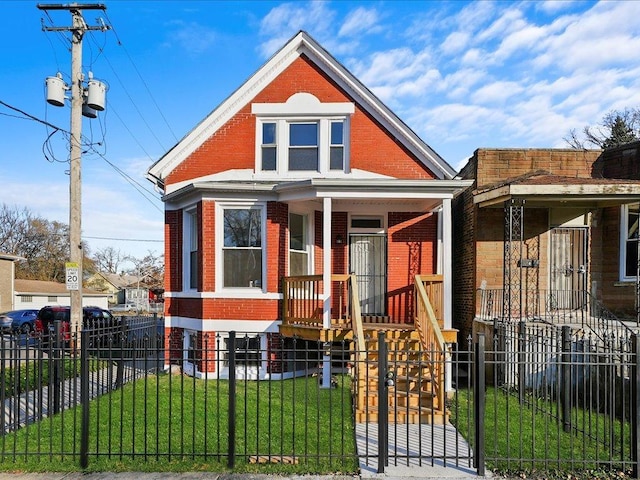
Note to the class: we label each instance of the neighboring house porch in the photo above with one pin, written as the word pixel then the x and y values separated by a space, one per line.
pixel 553 241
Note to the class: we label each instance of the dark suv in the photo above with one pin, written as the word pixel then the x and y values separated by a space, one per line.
pixel 103 325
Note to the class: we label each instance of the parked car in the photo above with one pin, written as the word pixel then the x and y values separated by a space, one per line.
pixel 103 324
pixel 124 307
pixel 21 321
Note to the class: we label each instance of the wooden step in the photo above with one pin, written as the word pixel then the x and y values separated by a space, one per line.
pixel 422 415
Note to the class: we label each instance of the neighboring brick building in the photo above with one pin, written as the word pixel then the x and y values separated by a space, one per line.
pixel 545 231
pixel 7 281
pixel 301 171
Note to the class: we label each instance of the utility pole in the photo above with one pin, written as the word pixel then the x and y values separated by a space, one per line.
pixel 77 29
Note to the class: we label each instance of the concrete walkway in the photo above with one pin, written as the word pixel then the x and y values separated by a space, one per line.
pixel 417 451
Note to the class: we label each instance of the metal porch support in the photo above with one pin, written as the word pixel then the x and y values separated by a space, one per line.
pixel 513 246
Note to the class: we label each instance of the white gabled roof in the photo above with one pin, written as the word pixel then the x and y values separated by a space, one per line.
pixel 300 44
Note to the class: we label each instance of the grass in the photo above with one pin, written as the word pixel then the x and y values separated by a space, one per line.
pixel 25 377
pixel 177 423
pixel 531 437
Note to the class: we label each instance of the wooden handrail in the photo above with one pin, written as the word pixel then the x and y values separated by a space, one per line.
pixel 422 300
pixel 356 315
pixel 431 338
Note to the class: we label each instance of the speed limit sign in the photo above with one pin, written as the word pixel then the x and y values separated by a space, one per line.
pixel 71 275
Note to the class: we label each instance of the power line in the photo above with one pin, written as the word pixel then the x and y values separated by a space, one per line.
pixel 146 86
pixel 123 239
pixel 32 117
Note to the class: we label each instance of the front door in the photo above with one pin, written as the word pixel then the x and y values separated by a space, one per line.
pixel 568 267
pixel 368 261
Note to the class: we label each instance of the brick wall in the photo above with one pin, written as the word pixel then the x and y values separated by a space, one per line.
pixel 411 250
pixel 617 296
pixel 620 162
pixel 207 245
pixel 277 244
pixel 233 145
pixel 464 250
pixel 173 250
pixel 497 165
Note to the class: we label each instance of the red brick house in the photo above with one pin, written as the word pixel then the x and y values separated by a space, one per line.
pixel 298 179
pixel 547 235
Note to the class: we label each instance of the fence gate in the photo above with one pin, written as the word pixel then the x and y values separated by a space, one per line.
pixel 405 432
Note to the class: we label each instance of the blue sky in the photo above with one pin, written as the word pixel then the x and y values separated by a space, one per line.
pixel 462 75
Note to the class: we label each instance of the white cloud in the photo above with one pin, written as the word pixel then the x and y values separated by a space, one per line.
pixel 455 42
pixel 553 6
pixel 191 37
pixel 497 92
pixel 359 21
pixel 284 21
pixel 510 21
pixel 392 67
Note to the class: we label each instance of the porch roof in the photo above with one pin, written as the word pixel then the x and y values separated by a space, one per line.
pixel 542 189
pixel 426 194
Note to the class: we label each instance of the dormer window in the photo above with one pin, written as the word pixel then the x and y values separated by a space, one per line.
pixel 302 136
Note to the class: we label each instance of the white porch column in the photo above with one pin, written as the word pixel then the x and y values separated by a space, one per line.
pixel 326 281
pixel 326 261
pixel 447 263
pixel 447 280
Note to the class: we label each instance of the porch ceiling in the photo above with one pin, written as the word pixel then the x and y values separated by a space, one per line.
pixel 555 191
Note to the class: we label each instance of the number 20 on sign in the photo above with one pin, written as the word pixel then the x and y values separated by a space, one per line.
pixel 71 274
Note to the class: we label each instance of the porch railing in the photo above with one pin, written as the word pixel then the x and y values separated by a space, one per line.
pixel 303 303
pixel 427 323
pixel 557 307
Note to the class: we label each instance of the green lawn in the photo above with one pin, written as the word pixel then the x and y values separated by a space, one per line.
pixel 529 439
pixel 178 423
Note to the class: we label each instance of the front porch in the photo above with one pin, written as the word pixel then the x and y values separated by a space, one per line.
pixel 311 312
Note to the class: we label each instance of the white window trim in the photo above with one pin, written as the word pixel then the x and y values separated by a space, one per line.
pixel 299 108
pixel 624 227
pixel 219 244
pixel 364 231
pixel 189 213
pixel 282 146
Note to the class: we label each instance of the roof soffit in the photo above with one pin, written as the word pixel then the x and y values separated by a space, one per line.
pixel 300 44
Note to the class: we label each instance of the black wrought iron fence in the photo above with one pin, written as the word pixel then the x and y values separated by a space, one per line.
pixel 523 397
pixel 559 398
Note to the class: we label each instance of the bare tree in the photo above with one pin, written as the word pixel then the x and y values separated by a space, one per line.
pixel 150 269
pixel 110 260
pixel 616 128
pixel 43 243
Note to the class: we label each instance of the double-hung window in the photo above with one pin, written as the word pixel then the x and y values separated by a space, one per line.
pixel 336 148
pixel 191 249
pixel 242 247
pixel 303 146
pixel 269 147
pixel 629 244
pixel 298 245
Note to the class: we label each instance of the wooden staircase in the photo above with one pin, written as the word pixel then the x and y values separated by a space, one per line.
pixel 416 351
pixel 413 398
